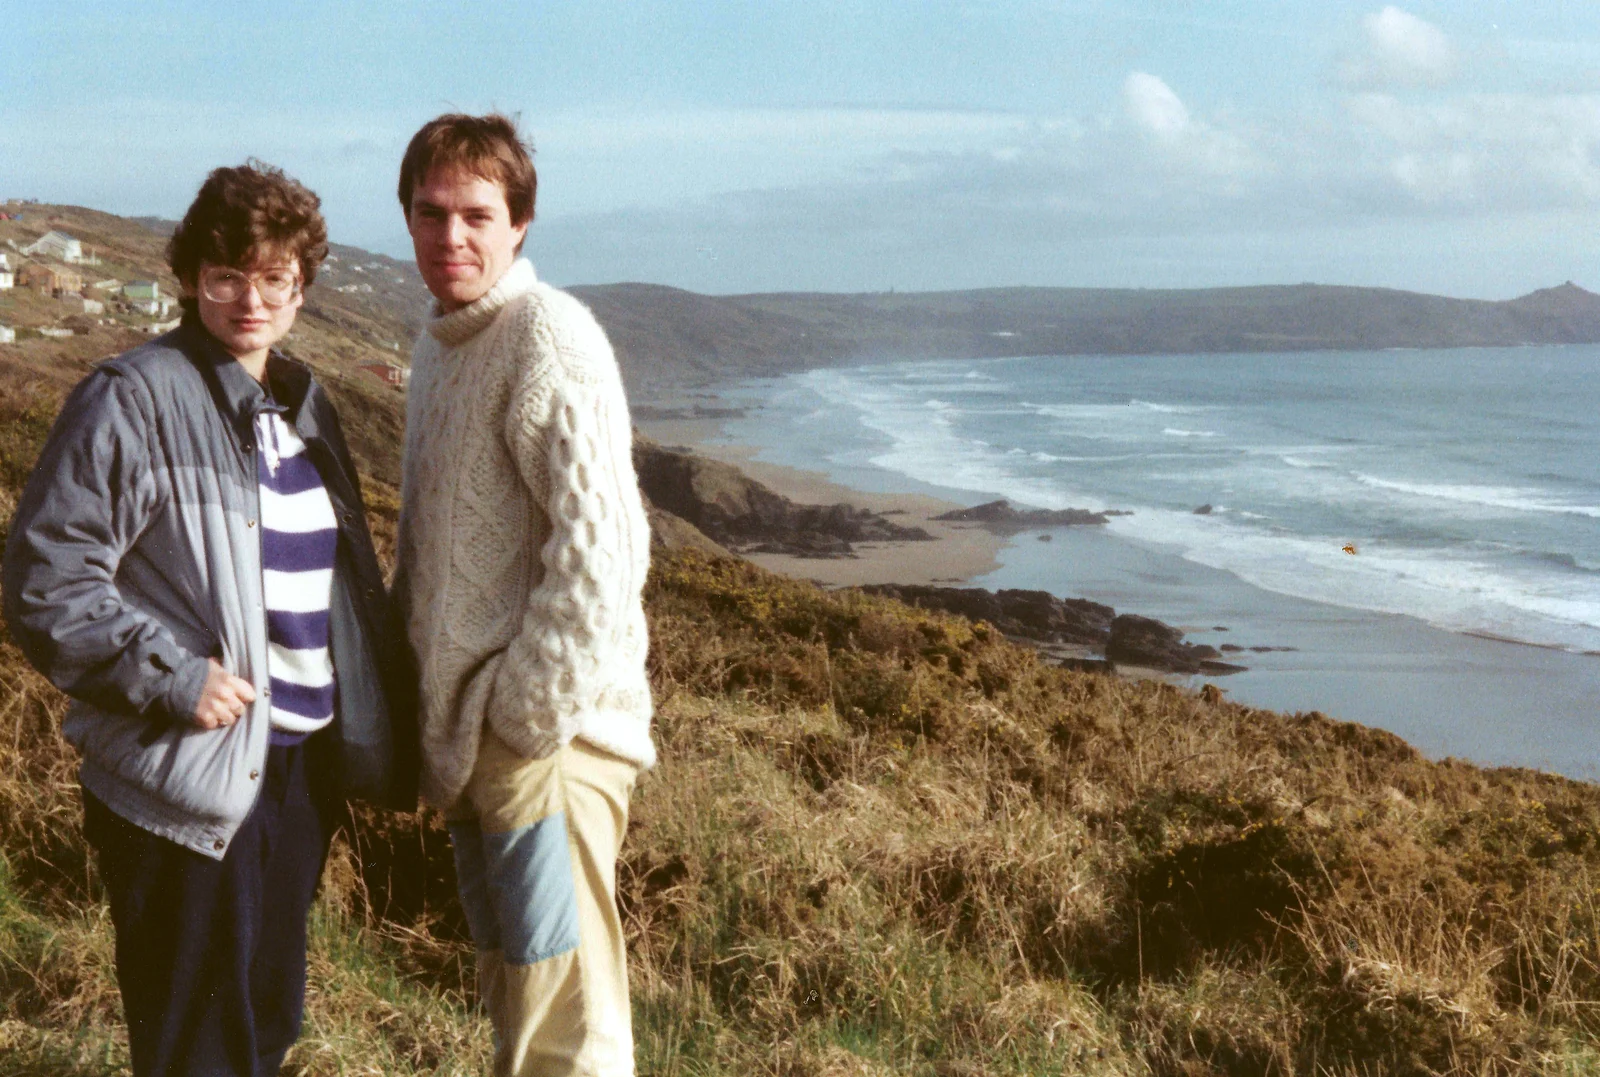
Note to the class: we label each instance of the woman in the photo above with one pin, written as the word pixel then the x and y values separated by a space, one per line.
pixel 190 563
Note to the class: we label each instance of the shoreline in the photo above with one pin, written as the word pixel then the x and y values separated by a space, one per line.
pixel 960 552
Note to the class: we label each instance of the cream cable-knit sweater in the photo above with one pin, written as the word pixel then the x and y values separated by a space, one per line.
pixel 523 542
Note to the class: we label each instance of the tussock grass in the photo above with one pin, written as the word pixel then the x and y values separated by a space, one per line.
pixel 885 841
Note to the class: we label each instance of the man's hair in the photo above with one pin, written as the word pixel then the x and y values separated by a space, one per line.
pixel 244 215
pixel 488 147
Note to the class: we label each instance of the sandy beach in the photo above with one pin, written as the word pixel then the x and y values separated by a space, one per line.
pixel 960 552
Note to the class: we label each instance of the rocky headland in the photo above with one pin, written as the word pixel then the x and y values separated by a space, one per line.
pixel 741 515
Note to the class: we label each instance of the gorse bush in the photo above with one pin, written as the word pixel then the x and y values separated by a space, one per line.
pixel 883 840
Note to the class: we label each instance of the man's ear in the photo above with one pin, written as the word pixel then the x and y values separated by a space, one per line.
pixel 521 232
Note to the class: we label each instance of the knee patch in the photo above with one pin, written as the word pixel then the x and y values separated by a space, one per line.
pixel 517 888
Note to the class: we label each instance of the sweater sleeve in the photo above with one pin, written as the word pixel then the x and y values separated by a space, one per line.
pixel 568 430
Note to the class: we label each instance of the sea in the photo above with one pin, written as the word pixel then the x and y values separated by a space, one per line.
pixel 1409 539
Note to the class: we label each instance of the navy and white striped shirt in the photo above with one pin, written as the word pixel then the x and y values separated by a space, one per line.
pixel 299 539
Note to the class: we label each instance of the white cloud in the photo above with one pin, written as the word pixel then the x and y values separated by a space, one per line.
pixel 1519 152
pixel 1153 106
pixel 1401 49
pixel 1182 141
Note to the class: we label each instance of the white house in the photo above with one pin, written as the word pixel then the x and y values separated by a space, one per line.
pixel 5 260
pixel 57 245
pixel 155 308
pixel 8 335
pixel 93 306
pixel 8 279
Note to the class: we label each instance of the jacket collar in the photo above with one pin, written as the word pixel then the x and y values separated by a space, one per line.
pixel 238 396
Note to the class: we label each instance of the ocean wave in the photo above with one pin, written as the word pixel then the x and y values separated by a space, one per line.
pixel 1174 432
pixel 1438 585
pixel 1118 412
pixel 1564 560
pixel 1510 498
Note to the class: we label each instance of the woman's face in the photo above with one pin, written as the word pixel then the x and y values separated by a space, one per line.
pixel 261 310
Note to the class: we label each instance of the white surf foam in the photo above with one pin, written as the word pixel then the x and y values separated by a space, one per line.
pixel 1510 498
pixel 1440 586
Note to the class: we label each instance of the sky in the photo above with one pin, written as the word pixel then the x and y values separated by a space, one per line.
pixel 1449 147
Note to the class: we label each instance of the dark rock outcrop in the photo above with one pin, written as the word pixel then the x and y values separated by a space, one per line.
pixel 1031 615
pixel 669 533
pixel 1003 516
pixel 1144 641
pixel 1041 618
pixel 741 514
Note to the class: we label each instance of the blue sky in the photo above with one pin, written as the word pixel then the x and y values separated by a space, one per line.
pixel 1450 147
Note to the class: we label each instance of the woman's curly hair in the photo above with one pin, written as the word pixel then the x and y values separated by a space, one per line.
pixel 245 216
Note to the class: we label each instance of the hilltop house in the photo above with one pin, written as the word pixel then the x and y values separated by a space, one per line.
pixel 93 306
pixel 50 279
pixel 57 245
pixel 7 278
pixel 8 335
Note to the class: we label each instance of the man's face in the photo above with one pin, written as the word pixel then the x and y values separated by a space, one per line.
pixel 463 236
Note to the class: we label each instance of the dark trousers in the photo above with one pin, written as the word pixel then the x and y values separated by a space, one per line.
pixel 211 955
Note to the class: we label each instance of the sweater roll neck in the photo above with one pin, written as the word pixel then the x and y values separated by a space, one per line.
pixel 462 325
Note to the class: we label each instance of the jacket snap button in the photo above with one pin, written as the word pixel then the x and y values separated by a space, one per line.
pixel 371 592
pixel 218 844
pixel 254 774
pixel 249 523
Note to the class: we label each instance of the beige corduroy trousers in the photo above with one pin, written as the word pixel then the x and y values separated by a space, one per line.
pixel 536 844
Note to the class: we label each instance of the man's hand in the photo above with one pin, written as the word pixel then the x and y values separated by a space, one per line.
pixel 223 700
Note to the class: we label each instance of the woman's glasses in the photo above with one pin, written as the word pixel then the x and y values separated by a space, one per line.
pixel 275 286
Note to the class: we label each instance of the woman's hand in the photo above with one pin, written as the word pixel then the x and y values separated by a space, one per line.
pixel 223 700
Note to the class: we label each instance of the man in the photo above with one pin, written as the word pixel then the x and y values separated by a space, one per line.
pixel 523 551
pixel 190 562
